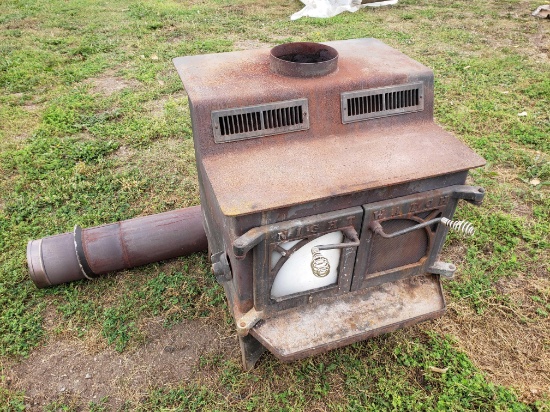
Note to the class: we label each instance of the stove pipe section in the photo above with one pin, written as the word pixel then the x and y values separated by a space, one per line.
pixel 89 253
pixel 303 59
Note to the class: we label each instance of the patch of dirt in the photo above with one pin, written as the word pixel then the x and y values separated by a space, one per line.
pixel 124 154
pixel 51 320
pixel 32 107
pixel 193 2
pixel 510 178
pixel 84 136
pixel 506 33
pixel 251 44
pixel 496 29
pixel 25 23
pixel 542 42
pixel 68 369
pixel 171 163
pixel 108 84
pixel 156 107
pixel 516 191
pixel 176 39
pixel 26 103
pixel 509 341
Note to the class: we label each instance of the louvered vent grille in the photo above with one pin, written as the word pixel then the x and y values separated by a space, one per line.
pixel 381 102
pixel 263 120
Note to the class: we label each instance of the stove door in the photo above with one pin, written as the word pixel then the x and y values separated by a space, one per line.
pixel 387 259
pixel 303 260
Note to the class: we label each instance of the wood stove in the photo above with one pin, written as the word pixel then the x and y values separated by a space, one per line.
pixel 327 191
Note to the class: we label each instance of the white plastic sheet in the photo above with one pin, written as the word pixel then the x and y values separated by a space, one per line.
pixel 329 8
pixel 541 11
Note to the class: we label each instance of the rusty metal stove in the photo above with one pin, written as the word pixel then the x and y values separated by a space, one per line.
pixel 326 191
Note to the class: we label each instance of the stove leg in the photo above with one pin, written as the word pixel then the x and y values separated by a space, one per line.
pixel 251 351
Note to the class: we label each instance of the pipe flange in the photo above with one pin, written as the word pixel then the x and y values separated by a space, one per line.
pixel 80 255
pixel 35 262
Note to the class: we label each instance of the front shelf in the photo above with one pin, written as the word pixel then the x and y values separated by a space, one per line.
pixel 328 324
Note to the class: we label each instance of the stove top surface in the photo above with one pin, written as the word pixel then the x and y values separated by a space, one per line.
pixel 246 73
pixel 330 157
pixel 270 177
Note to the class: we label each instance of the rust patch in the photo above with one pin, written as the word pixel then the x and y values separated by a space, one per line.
pixel 349 318
pixel 273 176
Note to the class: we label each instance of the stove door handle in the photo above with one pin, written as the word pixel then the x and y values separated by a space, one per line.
pixel 350 233
pixel 320 265
pixel 462 226
pixel 243 244
pixel 471 194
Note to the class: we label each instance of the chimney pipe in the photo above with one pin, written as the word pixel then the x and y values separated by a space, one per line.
pixel 89 253
pixel 303 59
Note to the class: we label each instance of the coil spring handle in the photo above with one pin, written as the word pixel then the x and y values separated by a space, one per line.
pixel 461 226
pixel 320 266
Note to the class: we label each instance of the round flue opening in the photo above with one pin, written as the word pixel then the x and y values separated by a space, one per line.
pixel 303 59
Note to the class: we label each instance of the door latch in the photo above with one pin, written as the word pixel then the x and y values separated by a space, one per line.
pixel 320 266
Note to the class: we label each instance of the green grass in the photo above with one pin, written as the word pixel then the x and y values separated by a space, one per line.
pixel 356 378
pixel 11 400
pixel 72 153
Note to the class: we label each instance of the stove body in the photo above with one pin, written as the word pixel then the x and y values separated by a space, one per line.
pixel 288 163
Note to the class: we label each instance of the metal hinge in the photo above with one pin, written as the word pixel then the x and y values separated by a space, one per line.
pixel 444 269
pixel 221 267
pixel 248 320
